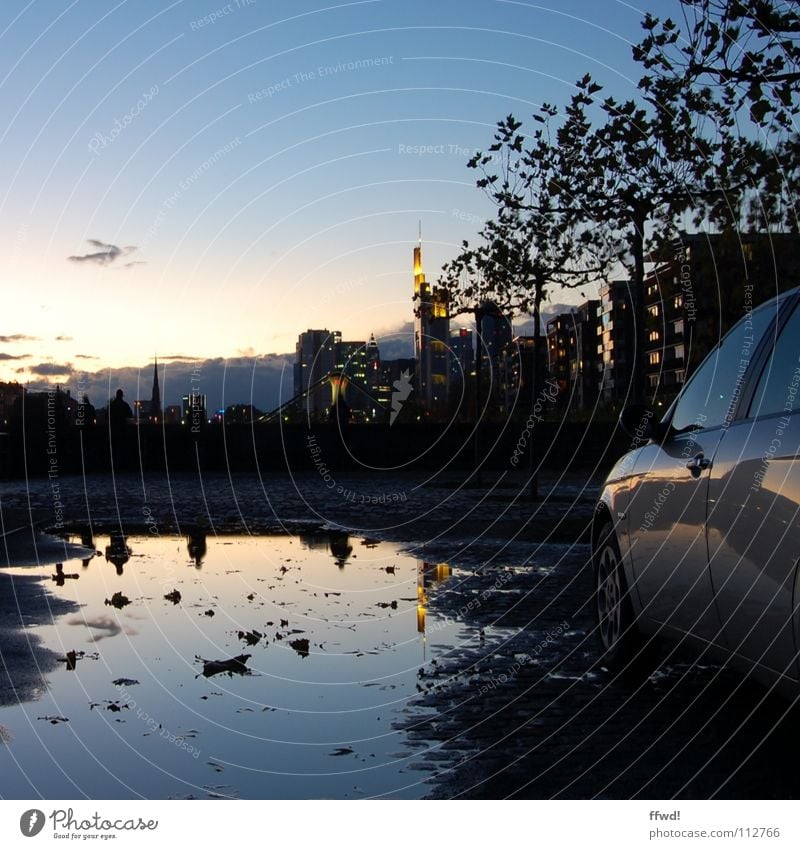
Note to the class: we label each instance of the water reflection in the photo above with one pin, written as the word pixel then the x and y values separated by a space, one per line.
pixel 428 575
pixel 340 548
pixel 294 684
pixel 197 546
pixel 87 541
pixel 117 551
pixel 60 576
pixel 337 542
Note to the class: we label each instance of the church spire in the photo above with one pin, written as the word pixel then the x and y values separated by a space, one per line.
pixel 155 398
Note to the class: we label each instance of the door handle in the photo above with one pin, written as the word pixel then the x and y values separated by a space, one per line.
pixel 698 464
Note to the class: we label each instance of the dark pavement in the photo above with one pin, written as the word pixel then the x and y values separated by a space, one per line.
pixel 519 707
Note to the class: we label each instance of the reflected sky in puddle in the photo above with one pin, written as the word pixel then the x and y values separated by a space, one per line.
pixel 319 640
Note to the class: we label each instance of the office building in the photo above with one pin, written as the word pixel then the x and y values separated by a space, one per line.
pixel 431 341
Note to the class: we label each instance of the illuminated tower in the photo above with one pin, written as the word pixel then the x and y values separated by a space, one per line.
pixel 373 363
pixel 155 398
pixel 431 338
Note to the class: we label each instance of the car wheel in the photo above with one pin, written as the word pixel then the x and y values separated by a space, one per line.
pixel 623 648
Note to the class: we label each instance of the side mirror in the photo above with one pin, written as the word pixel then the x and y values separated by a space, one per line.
pixel 640 423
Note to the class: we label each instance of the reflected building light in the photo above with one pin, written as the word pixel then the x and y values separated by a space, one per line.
pixel 420 618
pixel 428 574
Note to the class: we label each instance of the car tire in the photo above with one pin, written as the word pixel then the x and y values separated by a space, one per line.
pixel 623 647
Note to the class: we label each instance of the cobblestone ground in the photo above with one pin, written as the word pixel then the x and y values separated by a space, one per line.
pixel 519 707
pixel 407 507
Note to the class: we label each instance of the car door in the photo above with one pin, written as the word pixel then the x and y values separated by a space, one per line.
pixel 670 487
pixel 753 524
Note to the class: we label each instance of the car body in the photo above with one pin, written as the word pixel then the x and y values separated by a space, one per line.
pixel 696 535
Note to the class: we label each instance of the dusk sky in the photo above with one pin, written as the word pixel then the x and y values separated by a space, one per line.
pixel 208 180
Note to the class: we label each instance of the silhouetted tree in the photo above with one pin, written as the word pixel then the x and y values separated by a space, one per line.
pixel 743 60
pixel 748 53
pixel 535 241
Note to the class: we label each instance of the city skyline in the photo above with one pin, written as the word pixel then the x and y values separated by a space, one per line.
pixel 204 182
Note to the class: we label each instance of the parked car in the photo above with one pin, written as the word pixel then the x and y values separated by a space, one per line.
pixel 696 536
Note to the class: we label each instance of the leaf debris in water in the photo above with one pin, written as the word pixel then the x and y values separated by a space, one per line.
pixel 301 646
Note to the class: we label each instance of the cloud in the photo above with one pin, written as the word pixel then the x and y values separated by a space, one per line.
pixel 85 357
pixel 19 337
pixel 265 381
pixel 396 342
pixel 524 326
pixel 50 369
pixel 134 263
pixel 64 339
pixel 105 253
pixel 5 356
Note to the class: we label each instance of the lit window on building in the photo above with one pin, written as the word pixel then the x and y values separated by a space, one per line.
pixel 654 336
pixel 678 302
pixel 653 310
pixel 655 358
pixel 677 327
pixel 679 352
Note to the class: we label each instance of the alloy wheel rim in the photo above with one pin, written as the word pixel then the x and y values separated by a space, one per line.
pixel 609 596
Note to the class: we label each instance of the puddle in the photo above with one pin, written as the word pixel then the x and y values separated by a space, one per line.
pixel 245 667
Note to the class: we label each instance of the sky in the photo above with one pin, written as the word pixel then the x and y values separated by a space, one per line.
pixel 203 181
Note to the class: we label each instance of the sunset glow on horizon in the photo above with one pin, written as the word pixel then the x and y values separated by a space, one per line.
pixel 206 180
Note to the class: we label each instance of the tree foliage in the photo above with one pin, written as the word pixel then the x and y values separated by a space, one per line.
pixel 748 52
pixel 710 136
pixel 535 241
pixel 739 64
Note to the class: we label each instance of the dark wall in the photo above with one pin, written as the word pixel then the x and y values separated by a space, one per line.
pixel 34 450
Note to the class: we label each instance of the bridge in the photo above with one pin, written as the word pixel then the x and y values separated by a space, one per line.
pixel 339 382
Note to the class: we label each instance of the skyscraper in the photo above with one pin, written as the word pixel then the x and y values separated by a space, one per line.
pixel 314 361
pixel 495 335
pixel 350 360
pixel 373 363
pixel 431 339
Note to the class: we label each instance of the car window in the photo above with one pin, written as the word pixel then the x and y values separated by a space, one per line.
pixel 709 396
pixel 778 389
